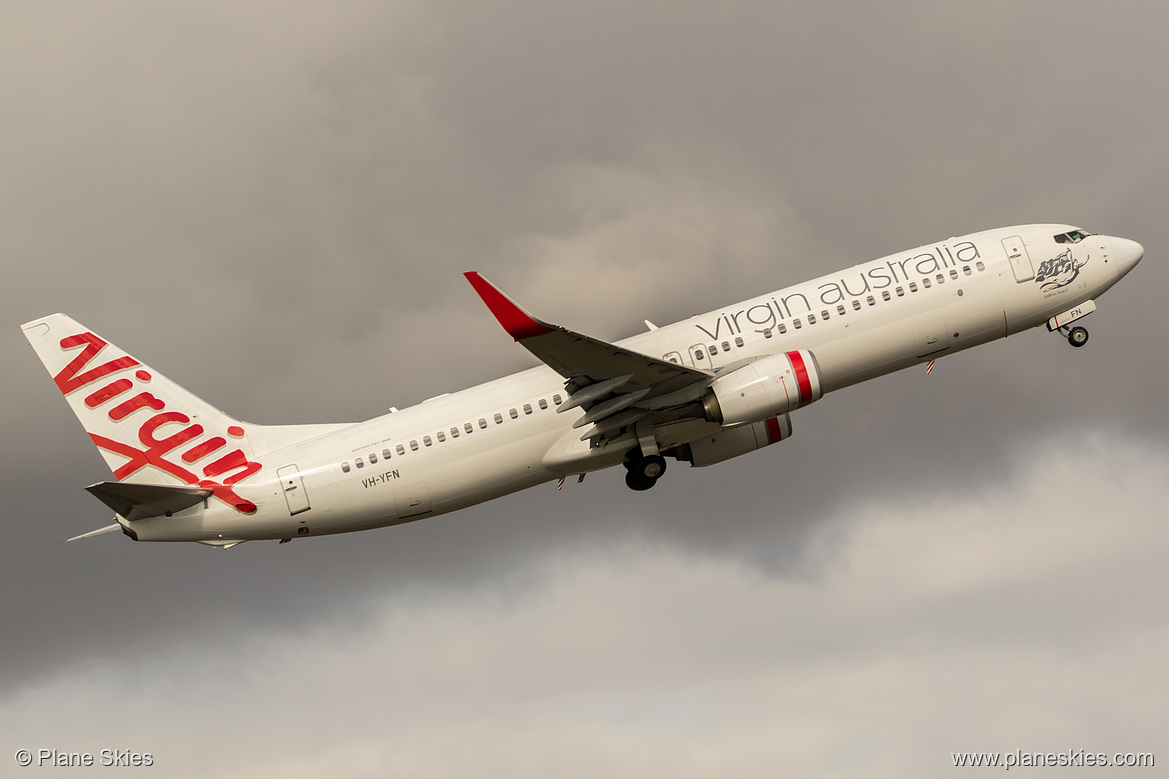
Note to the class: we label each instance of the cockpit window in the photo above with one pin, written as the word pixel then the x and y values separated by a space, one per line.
pixel 1075 236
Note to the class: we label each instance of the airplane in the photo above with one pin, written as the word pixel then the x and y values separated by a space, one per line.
pixel 703 391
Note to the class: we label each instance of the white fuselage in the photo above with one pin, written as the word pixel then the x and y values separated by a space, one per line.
pixel 496 438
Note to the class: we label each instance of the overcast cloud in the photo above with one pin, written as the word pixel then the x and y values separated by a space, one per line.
pixel 274 205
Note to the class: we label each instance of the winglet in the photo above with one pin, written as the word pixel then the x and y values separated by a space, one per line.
pixel 518 323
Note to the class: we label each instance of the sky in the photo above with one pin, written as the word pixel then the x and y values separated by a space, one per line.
pixel 274 206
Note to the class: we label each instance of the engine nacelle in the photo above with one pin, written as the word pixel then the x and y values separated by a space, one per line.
pixel 735 441
pixel 765 388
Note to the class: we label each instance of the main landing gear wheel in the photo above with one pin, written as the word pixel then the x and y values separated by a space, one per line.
pixel 637 483
pixel 644 472
pixel 1077 336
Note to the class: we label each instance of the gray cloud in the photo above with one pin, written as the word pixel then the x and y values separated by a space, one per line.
pixel 273 206
pixel 1010 619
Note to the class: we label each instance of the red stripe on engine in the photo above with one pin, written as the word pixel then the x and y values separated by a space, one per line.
pixel 774 434
pixel 805 384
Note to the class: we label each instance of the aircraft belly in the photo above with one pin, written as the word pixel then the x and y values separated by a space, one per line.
pixel 910 334
pixel 975 316
pixel 493 471
pixel 472 472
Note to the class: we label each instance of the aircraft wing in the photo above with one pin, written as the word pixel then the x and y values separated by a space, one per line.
pixel 604 378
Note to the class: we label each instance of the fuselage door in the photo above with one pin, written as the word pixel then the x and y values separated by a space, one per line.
pixel 931 338
pixel 413 501
pixel 1020 260
pixel 293 487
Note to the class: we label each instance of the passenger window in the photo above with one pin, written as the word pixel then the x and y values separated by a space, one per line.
pixel 426 440
pixel 543 404
pixel 401 449
pixel 527 408
pixel 359 462
pixel 796 323
pixel 840 309
pixel 824 314
pixel 738 340
pixel 981 267
pixel 499 419
pixel 698 354
pixel 345 467
pixel 454 432
pixel 884 294
pixel 926 283
pixel 385 454
pixel 900 292
pixel 726 346
pixel 941 279
pixel 781 327
pixel 441 437
pixel 953 273
pixel 556 399
pixel 913 286
pixel 467 427
pixel 767 333
pixel 511 412
pixel 811 319
pixel 713 350
pixel 372 458
pixel 414 446
pixel 966 270
pixel 856 305
pixel 871 300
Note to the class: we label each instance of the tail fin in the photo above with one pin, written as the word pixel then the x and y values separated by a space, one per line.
pixel 148 428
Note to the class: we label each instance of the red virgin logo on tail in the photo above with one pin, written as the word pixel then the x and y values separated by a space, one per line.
pixel 221 474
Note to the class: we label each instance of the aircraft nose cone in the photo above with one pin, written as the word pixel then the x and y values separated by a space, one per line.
pixel 1127 253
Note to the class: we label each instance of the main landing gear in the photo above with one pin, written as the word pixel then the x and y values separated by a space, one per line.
pixel 643 472
pixel 644 465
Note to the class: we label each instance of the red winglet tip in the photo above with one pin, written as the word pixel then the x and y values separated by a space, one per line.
pixel 517 322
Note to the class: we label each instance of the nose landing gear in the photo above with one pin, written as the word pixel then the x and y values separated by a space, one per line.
pixel 1077 336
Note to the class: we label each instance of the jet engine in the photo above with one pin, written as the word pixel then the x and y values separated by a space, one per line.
pixel 765 388
pixel 734 441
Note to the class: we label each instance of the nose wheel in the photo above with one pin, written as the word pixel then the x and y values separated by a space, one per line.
pixel 1077 336
pixel 644 472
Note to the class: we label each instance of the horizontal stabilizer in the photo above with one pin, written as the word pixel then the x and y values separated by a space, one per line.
pixel 139 501
pixel 99 532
